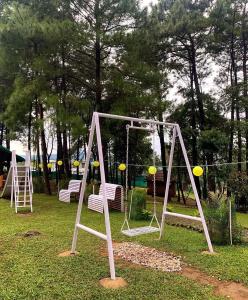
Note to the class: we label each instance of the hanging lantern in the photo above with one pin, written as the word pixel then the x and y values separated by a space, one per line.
pixel 76 163
pixel 122 167
pixel 60 163
pixel 152 170
pixel 96 164
pixel 50 165
pixel 198 171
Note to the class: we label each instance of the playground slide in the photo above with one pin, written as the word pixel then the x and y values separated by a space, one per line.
pixel 6 193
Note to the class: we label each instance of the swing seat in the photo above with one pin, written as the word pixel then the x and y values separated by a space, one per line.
pixel 140 230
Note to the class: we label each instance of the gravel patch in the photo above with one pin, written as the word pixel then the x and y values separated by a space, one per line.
pixel 148 257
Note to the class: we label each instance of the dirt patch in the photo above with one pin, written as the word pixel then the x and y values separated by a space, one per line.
pixel 233 290
pixel 29 234
pixel 24 214
pixel 67 253
pixel 108 283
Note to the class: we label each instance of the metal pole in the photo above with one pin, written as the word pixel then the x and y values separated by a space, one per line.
pixel 141 128
pixel 25 180
pixel 12 184
pixel 12 170
pixel 105 201
pixel 81 197
pixel 230 220
pixel 118 117
pixel 168 181
pixel 210 247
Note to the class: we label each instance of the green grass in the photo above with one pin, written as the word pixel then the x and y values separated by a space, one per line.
pixel 242 219
pixel 31 269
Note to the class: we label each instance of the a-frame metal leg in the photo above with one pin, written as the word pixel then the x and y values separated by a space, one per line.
pixel 105 202
pixel 168 181
pixel 12 186
pixel 210 247
pixel 95 126
pixel 81 197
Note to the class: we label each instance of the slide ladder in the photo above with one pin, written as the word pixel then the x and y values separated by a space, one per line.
pixel 22 186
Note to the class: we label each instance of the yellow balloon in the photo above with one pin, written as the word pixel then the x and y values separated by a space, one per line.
pixel 49 165
pixel 76 163
pixel 96 164
pixel 122 167
pixel 198 171
pixel 152 170
pixel 40 166
pixel 60 163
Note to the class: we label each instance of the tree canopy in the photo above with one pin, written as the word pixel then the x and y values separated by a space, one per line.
pixel 61 60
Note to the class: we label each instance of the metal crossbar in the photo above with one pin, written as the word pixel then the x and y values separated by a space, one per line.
pixel 167 213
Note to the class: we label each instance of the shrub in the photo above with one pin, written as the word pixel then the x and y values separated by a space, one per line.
pixel 238 185
pixel 146 215
pixel 138 208
pixel 217 211
pixel 63 182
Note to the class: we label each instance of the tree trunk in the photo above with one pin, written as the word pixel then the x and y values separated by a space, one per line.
pixel 7 138
pixel 235 100
pixel 196 83
pixel 239 138
pixel 64 131
pixel 194 132
pixel 98 88
pixel 66 154
pixel 162 146
pixel 244 67
pixel 44 151
pixel 30 128
pixel 37 139
pixel 1 133
pixel 98 79
pixel 59 143
pixel 179 178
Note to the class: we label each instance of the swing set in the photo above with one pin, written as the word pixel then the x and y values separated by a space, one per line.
pixel 95 128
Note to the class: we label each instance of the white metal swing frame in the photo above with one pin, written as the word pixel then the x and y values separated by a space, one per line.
pixel 95 127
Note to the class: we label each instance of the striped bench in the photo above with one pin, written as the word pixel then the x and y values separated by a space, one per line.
pixel 114 194
pixel 73 187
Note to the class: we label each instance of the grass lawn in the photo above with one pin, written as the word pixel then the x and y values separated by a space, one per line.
pixel 31 269
pixel 243 219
